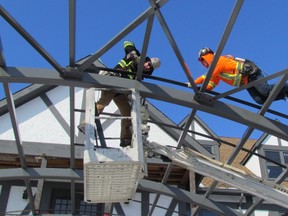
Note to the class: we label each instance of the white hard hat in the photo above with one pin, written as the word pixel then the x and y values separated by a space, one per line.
pixel 155 62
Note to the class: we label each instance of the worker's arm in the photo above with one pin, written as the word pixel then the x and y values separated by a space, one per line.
pixel 211 85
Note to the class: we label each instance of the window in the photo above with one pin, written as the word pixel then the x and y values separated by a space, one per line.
pixel 209 148
pixel 273 170
pixel 212 147
pixel 278 213
pixel 87 208
pixel 285 155
pixel 203 212
pixel 61 204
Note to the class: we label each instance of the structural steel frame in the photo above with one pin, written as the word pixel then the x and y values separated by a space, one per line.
pixel 79 74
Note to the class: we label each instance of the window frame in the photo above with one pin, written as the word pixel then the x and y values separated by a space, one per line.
pixel 264 163
pixel 214 147
pixel 53 190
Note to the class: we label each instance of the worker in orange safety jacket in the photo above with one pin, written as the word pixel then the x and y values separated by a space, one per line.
pixel 237 72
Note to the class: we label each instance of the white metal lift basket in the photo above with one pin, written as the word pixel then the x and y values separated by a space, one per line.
pixel 112 174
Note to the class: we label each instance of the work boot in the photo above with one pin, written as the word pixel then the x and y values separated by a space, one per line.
pixel 81 127
pixel 282 95
pixel 125 142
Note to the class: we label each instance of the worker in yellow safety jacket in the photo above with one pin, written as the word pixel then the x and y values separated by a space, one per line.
pixel 130 63
pixel 131 60
pixel 237 72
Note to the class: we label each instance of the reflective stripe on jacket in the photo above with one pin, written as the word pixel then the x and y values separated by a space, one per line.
pixel 129 63
pixel 227 69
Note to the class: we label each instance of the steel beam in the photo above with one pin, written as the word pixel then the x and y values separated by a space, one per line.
pixel 146 14
pixel 30 39
pixel 72 31
pixel 222 43
pixel 41 173
pixel 279 180
pixel 15 125
pixel 2 58
pixel 189 141
pixel 205 166
pixel 148 90
pixel 186 196
pixel 145 47
pixel 77 175
pixel 250 84
pixel 49 149
pixel 173 44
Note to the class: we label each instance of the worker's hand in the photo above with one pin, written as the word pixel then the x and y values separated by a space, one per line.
pixel 132 55
pixel 108 73
pixel 189 85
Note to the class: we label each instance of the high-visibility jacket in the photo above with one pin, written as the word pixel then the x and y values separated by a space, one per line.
pixel 227 69
pixel 130 61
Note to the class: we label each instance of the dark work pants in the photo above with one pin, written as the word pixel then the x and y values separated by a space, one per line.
pixel 123 103
pixel 260 92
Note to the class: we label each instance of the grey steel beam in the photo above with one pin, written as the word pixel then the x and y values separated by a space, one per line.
pixel 12 113
pixel 274 92
pixel 148 90
pixel 27 94
pixel 72 146
pixel 41 173
pixel 279 180
pixel 261 112
pixel 205 166
pixel 150 11
pixel 19 144
pixel 56 113
pixel 30 195
pixel 186 128
pixel 248 132
pixel 77 175
pixel 49 149
pixel 248 85
pixel 170 165
pixel 73 196
pixel 241 143
pixel 72 127
pixel 245 137
pixel 236 150
pixel 173 43
pixel 186 196
pixel 145 47
pixel 40 184
pixel 173 204
pixel 204 126
pixel 222 43
pixel 30 39
pixel 189 141
pixel 163 181
pixel 72 30
pixel 2 58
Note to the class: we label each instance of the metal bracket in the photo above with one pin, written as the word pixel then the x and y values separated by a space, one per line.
pixel 204 98
pixel 70 72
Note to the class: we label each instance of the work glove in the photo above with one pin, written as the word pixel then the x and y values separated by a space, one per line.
pixel 189 84
pixel 134 57
pixel 131 55
pixel 108 73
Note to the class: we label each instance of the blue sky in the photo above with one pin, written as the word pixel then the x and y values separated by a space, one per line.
pixel 260 34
